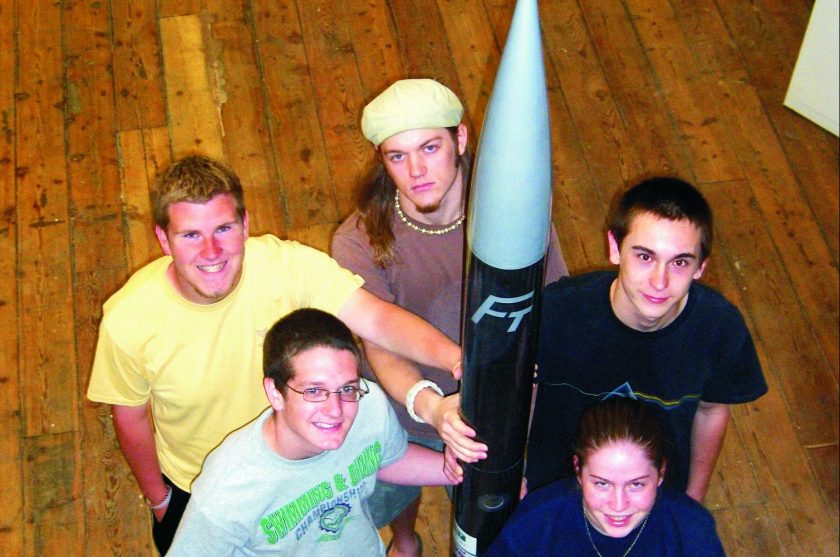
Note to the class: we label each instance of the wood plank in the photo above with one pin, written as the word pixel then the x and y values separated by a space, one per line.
pixel 143 153
pixel 11 465
pixel 169 8
pixel 138 72
pixel 46 367
pixel 686 90
pixel 52 490
pixel 375 44
pixel 733 483
pixel 794 505
pixel 764 288
pixel 732 523
pixel 766 47
pixel 338 95
pixel 779 462
pixel 93 172
pixel 610 152
pixel 798 240
pixel 247 140
pixel 433 523
pixel 296 132
pixel 475 53
pixel 824 461
pixel 714 50
pixel 634 88
pixel 193 93
pixel 424 44
pixel 117 520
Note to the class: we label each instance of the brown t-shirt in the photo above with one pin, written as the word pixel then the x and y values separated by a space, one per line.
pixel 425 278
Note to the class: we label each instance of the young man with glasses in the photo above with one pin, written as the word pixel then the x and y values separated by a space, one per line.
pixel 296 480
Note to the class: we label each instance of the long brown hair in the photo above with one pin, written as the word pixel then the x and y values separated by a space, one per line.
pixel 376 203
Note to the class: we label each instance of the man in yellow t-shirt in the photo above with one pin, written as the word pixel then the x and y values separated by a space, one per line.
pixel 181 341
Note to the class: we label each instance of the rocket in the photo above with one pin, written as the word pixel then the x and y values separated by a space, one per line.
pixel 507 238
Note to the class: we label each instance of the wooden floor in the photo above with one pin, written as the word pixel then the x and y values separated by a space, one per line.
pixel 96 95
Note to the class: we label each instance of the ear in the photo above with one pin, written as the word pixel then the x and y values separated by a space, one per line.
pixel 615 254
pixel 699 272
pixel 246 223
pixel 162 240
pixel 661 474
pixel 462 138
pixel 576 466
pixel 275 397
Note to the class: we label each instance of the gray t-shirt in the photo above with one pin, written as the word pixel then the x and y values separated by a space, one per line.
pixel 248 500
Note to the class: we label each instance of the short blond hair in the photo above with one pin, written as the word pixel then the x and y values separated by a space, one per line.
pixel 194 179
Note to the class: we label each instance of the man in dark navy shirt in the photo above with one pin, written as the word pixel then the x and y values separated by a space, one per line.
pixel 648 332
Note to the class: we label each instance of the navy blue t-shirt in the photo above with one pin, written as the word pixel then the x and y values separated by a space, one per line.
pixel 549 522
pixel 587 354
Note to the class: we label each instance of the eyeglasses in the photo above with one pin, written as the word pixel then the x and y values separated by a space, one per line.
pixel 347 393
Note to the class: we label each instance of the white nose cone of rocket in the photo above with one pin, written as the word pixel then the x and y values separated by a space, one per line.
pixel 510 196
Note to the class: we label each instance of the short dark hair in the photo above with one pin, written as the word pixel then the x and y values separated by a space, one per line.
pixel 619 419
pixel 297 332
pixel 667 198
pixel 194 179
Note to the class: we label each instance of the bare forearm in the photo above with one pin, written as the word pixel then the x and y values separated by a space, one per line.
pixel 398 330
pixel 419 466
pixel 137 442
pixel 396 374
pixel 707 435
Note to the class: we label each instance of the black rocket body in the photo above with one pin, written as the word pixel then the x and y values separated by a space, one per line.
pixel 507 237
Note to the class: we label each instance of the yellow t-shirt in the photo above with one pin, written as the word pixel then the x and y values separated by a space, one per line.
pixel 201 365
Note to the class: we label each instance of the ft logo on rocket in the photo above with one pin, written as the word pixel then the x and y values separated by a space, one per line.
pixel 486 309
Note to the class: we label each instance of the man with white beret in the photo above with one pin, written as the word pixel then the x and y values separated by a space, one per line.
pixel 406 239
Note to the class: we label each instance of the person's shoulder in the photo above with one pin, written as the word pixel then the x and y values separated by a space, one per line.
pixel 578 288
pixel 352 226
pixel 271 248
pixel 268 243
pixel 710 295
pixel 711 304
pixel 678 503
pixel 375 399
pixel 350 241
pixel 144 285
pixel 557 494
pixel 237 446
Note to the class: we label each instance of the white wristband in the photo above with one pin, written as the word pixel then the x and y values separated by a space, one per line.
pixel 412 394
pixel 164 502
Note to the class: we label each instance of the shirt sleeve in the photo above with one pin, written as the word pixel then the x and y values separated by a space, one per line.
pixel 317 278
pixel 738 378
pixel 351 248
pixel 700 538
pixel 116 377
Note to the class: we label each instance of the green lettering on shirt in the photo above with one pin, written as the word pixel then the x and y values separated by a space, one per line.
pixel 366 464
pixel 277 524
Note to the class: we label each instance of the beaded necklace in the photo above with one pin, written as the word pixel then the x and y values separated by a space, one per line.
pixel 420 229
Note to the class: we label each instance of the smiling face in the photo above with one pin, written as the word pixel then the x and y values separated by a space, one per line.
pixel 423 164
pixel 658 259
pixel 619 483
pixel 301 429
pixel 207 245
